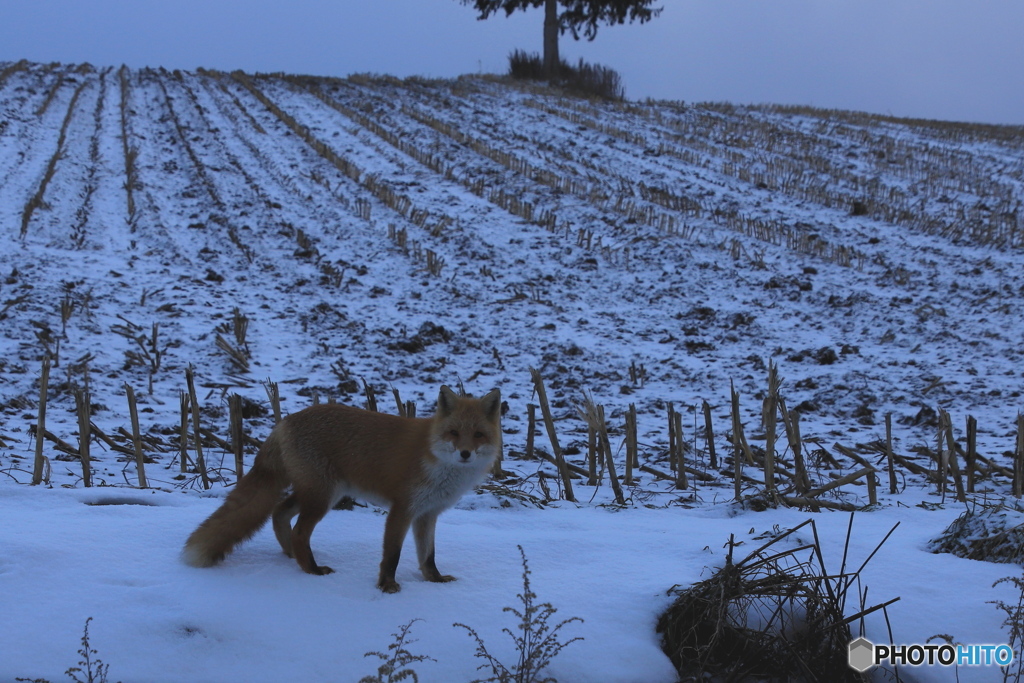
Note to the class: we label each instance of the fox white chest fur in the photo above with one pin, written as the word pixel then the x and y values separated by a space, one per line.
pixel 447 480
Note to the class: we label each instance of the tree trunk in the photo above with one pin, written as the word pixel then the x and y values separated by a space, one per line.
pixel 551 30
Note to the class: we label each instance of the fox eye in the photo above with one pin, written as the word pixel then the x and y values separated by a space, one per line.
pixel 454 433
pixel 478 435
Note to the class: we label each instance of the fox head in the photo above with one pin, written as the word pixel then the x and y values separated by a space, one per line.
pixel 467 429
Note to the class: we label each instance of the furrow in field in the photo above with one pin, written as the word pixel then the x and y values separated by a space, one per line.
pixel 610 184
pixel 587 195
pixel 172 206
pixel 22 95
pixel 889 173
pixel 504 180
pixel 60 212
pixel 31 143
pixel 691 182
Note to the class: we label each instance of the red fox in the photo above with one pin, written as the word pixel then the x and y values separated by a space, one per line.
pixel 417 466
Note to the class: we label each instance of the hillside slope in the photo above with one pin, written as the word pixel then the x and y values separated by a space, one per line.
pixel 413 233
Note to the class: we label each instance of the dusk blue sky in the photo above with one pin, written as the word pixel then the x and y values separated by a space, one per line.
pixel 945 59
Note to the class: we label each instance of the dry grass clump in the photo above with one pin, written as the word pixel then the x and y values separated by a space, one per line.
pixel 770 616
pixel 12 69
pixel 993 534
pixel 583 78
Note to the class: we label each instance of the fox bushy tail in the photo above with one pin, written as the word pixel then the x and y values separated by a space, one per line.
pixel 244 511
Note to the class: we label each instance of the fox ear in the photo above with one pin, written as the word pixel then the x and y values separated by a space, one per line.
pixel 446 401
pixel 492 403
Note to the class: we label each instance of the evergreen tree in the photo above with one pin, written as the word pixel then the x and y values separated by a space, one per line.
pixel 576 16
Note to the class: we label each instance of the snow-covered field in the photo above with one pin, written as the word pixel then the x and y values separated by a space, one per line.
pixel 412 233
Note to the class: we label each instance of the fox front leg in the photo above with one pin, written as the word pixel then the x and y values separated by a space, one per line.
pixel 423 532
pixel 395 529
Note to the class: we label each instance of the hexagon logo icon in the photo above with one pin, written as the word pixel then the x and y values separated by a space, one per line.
pixel 861 654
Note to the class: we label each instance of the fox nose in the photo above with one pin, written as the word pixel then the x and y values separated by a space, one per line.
pixel 465 455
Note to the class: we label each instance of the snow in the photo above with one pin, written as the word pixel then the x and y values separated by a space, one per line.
pixel 235 210
pixel 257 617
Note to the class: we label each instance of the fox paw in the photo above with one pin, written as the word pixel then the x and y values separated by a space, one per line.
pixel 389 586
pixel 441 578
pixel 321 570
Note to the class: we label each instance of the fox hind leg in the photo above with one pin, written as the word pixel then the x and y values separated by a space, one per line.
pixel 310 513
pixel 283 515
